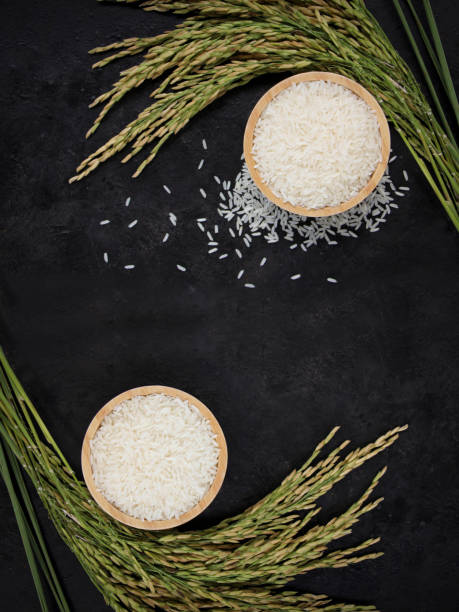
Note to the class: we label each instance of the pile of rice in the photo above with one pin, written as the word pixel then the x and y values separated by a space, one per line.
pixel 154 457
pixel 316 144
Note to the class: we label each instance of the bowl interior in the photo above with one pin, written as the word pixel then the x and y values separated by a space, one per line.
pixel 317 76
pixel 113 510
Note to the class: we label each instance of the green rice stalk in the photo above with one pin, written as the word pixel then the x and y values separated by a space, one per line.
pixel 424 71
pixel 39 545
pixel 23 529
pixel 449 86
pixel 243 563
pixel 426 41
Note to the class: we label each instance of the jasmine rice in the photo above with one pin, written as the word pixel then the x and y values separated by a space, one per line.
pixel 154 457
pixel 316 144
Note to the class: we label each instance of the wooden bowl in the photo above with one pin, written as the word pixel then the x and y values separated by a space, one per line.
pixel 359 91
pixel 112 510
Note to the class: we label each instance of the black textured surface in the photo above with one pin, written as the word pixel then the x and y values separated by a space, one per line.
pixel 279 366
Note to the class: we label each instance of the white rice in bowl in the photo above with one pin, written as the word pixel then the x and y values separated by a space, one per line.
pixel 154 457
pixel 316 144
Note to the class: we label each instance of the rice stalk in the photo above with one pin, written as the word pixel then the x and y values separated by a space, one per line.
pixel 223 44
pixel 243 563
pixel 444 68
pixel 424 71
pixel 23 530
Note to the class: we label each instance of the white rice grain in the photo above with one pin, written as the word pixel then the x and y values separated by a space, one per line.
pixel 161 431
pixel 251 213
pixel 298 135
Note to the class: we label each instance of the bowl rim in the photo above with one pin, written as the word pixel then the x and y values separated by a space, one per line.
pixel 302 78
pixel 112 510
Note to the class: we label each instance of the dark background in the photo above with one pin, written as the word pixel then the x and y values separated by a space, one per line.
pixel 279 365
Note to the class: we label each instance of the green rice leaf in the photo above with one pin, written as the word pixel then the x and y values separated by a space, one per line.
pixel 23 530
pixel 448 82
pixel 424 71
